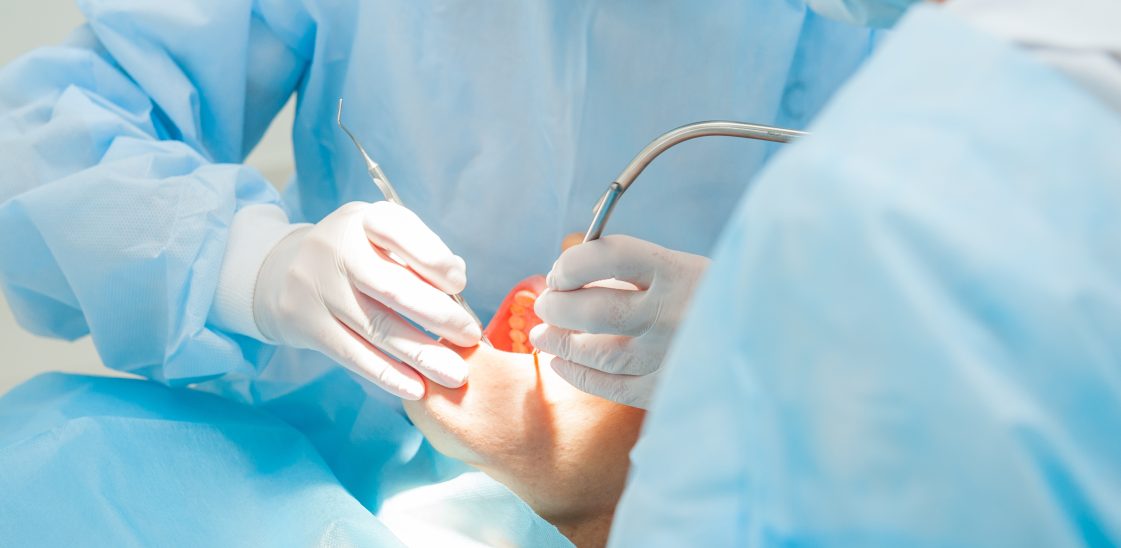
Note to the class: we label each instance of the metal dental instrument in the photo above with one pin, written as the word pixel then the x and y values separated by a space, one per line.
pixel 667 141
pixel 391 195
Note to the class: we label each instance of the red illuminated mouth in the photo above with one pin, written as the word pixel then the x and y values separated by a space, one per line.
pixel 509 329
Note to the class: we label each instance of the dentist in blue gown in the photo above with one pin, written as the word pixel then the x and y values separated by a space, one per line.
pixel 126 214
pixel 910 332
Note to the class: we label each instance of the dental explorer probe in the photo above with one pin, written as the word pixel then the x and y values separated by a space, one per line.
pixel 669 140
pixel 391 195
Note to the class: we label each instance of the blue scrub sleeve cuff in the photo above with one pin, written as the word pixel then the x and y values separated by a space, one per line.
pixel 255 230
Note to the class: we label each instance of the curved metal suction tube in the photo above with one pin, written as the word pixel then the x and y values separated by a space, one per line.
pixel 669 140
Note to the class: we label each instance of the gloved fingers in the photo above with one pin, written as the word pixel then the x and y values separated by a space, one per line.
pixel 387 331
pixel 634 391
pixel 615 256
pixel 348 348
pixel 613 354
pixel 399 288
pixel 614 284
pixel 399 231
pixel 595 310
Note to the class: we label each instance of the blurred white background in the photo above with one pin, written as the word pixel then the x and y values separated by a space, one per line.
pixel 23 27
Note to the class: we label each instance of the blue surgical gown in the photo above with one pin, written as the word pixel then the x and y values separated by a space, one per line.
pixel 87 461
pixel 910 334
pixel 121 151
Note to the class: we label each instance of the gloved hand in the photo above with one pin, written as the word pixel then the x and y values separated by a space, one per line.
pixel 342 286
pixel 611 341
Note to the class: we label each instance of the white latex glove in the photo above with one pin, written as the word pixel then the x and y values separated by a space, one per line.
pixel 342 286
pixel 611 341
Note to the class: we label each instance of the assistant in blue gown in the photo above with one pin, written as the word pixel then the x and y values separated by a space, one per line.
pixel 909 334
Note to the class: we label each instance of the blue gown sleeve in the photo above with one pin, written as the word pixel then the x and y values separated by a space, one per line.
pixel 120 172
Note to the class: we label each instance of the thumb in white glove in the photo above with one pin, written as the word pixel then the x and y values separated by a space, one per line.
pixel 342 286
pixel 611 341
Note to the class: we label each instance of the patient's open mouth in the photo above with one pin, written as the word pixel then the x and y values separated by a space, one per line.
pixel 509 329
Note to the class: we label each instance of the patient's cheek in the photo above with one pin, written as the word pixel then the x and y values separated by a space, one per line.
pixel 508 401
pixel 504 396
pixel 502 408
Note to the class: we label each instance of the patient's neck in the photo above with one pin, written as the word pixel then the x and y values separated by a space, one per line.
pixel 590 531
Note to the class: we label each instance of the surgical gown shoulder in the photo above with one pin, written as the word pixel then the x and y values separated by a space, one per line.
pixel 908 332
